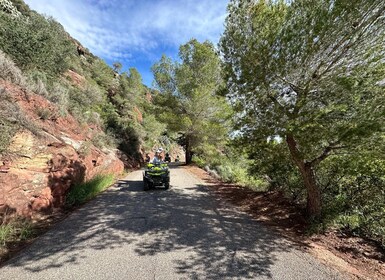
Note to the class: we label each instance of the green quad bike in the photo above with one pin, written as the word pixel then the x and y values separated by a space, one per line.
pixel 156 174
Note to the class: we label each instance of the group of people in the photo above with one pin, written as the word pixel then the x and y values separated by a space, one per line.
pixel 158 158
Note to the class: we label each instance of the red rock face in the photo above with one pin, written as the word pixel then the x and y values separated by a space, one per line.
pixel 76 79
pixel 37 171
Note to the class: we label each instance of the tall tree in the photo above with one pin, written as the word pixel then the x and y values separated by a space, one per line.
pixel 309 72
pixel 117 66
pixel 188 92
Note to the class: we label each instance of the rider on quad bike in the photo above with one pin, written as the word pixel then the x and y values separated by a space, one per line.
pixel 156 173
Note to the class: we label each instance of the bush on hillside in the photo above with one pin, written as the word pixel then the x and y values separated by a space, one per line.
pixel 102 74
pixel 9 71
pixel 36 42
pixel 354 194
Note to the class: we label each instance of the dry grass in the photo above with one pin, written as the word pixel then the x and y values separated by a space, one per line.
pixel 9 71
pixel 12 119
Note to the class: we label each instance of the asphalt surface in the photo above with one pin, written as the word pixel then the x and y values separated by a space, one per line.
pixel 182 233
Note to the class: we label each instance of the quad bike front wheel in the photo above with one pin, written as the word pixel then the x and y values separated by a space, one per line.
pixel 146 184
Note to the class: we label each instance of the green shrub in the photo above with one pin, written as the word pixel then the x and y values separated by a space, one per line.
pixel 44 113
pixel 10 119
pixel 6 233
pixel 83 101
pixel 104 140
pixel 84 149
pixel 271 160
pixel 81 193
pixel 7 131
pixel 233 170
pixel 200 162
pixel 58 94
pixel 35 42
pixel 353 189
pixel 94 118
pixel 8 7
pixel 17 229
pixel 102 74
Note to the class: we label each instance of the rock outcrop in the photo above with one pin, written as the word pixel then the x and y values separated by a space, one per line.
pixel 42 163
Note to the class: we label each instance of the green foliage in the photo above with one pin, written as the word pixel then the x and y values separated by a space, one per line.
pixel 153 131
pixel 84 149
pixel 59 95
pixel 129 138
pixel 11 120
pixel 81 193
pixel 354 193
pixel 21 7
pixel 111 101
pixel 17 229
pixel 188 97
pixel 35 42
pixel 103 140
pixel 7 131
pixel 9 115
pixel 272 160
pixel 233 167
pixel 6 232
pixel 309 73
pixel 37 81
pixel 102 74
pixel 44 113
pixel 117 66
pixel 8 7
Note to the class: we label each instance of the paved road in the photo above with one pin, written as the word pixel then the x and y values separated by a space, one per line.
pixel 182 233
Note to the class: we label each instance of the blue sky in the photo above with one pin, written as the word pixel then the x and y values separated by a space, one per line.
pixel 136 33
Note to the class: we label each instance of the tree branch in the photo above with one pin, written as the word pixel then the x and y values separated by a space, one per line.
pixel 293 86
pixel 326 152
pixel 347 42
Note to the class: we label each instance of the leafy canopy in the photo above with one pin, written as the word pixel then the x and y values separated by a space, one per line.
pixel 187 92
pixel 310 72
pixel 312 69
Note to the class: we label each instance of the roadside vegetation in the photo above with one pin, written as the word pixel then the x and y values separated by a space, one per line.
pixel 15 230
pixel 86 191
pixel 306 86
pixel 307 82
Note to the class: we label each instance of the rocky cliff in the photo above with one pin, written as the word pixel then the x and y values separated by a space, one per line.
pixel 47 156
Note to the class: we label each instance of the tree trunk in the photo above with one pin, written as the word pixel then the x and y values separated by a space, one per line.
pixel 313 206
pixel 188 152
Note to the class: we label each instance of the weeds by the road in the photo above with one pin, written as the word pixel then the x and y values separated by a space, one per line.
pixel 88 190
pixel 15 230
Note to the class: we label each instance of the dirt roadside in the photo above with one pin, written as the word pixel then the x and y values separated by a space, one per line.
pixel 359 258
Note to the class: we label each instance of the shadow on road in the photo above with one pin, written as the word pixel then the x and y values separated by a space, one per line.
pixel 215 242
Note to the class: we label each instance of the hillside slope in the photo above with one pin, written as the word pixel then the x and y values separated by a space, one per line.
pixel 43 162
pixel 65 115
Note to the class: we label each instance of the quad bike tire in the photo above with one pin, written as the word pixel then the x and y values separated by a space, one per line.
pixel 146 185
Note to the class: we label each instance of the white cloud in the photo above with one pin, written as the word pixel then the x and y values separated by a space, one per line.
pixel 116 29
